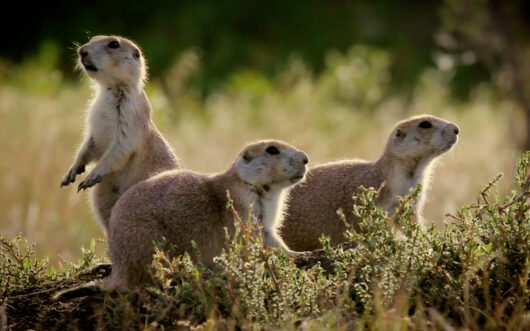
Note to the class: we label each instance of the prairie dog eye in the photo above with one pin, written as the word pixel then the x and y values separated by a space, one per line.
pixel 425 125
pixel 113 44
pixel 272 150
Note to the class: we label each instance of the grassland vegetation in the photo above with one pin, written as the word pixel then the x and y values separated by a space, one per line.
pixel 472 273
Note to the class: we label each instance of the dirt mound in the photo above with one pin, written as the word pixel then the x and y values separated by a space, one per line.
pixel 34 307
pixel 79 307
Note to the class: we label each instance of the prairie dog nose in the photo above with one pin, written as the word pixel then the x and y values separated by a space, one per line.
pixel 304 157
pixel 452 128
pixel 83 52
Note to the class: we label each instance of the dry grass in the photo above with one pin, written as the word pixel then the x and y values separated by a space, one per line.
pixel 41 120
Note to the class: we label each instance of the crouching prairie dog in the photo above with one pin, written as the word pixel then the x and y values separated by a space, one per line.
pixel 119 132
pixel 183 206
pixel 312 205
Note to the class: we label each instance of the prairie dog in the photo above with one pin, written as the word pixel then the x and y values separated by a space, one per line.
pixel 312 205
pixel 182 206
pixel 119 133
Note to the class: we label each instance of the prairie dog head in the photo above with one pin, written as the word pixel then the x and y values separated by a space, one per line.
pixel 422 137
pixel 113 60
pixel 271 164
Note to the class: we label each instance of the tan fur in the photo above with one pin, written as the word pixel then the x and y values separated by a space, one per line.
pixel 312 205
pixel 119 134
pixel 182 206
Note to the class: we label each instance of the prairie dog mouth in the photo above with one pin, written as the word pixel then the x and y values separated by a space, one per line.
pixel 448 145
pixel 297 177
pixel 88 65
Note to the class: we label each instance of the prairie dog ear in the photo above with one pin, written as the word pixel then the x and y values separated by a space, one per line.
pixel 136 53
pixel 246 157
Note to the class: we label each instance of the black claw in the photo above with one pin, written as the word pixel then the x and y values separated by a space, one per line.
pixel 83 186
pixel 70 176
pixel 88 183
pixel 81 169
pixel 66 181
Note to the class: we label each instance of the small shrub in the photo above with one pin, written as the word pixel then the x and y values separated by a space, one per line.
pixel 19 266
pixel 473 272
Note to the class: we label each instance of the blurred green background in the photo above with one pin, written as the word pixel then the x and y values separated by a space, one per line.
pixel 330 77
pixel 231 35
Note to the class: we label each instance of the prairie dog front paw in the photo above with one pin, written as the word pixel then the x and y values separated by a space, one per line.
pixel 90 181
pixel 70 175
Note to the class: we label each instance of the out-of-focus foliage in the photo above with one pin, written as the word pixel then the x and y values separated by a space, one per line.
pixel 230 34
pixel 496 35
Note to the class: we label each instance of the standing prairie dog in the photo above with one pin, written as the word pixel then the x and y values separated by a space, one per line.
pixel 119 134
pixel 312 205
pixel 183 206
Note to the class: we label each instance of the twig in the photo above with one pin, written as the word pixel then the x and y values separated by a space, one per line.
pixel 273 274
pixel 234 211
pixel 3 318
pixel 9 251
pixel 5 293
pixel 453 217
pixel 488 187
pixel 520 197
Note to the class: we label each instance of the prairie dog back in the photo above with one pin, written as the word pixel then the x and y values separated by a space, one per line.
pixel 411 149
pixel 182 206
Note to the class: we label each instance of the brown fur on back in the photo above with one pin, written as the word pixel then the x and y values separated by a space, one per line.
pixel 136 225
pixel 319 179
pixel 183 206
pixel 312 205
